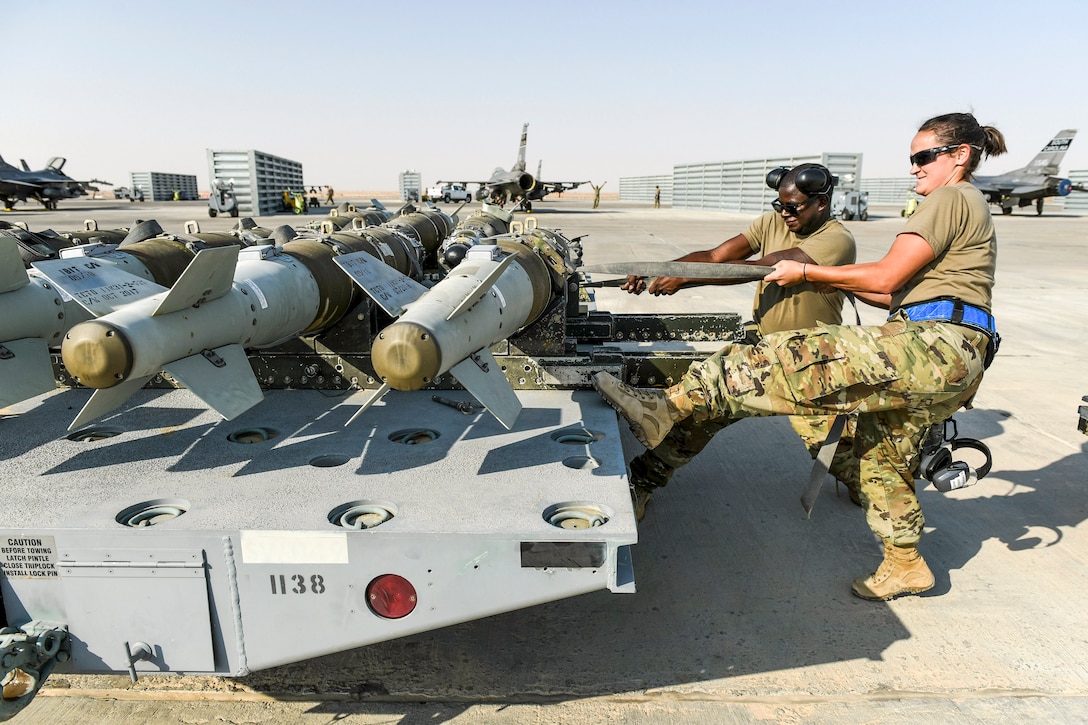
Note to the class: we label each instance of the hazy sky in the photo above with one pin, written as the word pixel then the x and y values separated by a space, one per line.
pixel 358 92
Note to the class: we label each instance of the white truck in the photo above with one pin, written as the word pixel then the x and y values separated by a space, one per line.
pixel 449 192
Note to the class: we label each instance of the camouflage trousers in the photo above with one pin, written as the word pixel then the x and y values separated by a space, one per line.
pixel 655 468
pixel 897 378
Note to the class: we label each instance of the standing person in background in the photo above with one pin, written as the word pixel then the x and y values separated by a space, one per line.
pixel 597 193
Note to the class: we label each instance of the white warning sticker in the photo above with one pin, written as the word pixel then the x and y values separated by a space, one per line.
pixel 33 557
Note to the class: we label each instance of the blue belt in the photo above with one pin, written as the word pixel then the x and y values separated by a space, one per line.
pixel 950 309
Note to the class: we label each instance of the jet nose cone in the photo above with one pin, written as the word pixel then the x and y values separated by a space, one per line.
pixel 97 353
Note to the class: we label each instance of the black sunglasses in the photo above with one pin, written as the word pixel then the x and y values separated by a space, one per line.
pixel 922 158
pixel 792 209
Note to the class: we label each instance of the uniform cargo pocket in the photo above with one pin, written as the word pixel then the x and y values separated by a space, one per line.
pixel 821 362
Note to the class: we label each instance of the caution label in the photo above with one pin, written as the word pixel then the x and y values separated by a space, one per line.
pixel 33 557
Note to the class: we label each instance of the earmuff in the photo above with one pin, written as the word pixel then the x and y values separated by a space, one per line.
pixel 938 466
pixel 810 181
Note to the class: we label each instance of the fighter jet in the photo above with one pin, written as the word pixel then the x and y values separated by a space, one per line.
pixel 48 185
pixel 517 184
pixel 1034 182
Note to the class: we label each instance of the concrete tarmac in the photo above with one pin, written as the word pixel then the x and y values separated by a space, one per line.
pixel 743 611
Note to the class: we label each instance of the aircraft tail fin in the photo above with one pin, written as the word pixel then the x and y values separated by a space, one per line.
pixel 392 290
pixel 227 385
pixel 210 275
pixel 12 273
pixel 482 376
pixel 98 288
pixel 25 370
pixel 520 165
pixel 1049 158
pixel 106 400
pixel 24 164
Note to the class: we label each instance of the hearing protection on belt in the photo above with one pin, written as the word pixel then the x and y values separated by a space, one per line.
pixel 937 464
pixel 810 181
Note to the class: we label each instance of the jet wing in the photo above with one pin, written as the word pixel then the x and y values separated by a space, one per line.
pixel 558 186
pixel 1027 192
pixel 14 182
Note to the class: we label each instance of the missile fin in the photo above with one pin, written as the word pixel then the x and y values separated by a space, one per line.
pixel 105 400
pixel 208 277
pixel 370 401
pixel 25 370
pixel 482 376
pixel 228 385
pixel 392 290
pixel 12 272
pixel 481 289
pixel 98 288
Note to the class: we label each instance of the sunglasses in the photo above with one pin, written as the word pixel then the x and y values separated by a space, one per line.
pixel 922 158
pixel 791 209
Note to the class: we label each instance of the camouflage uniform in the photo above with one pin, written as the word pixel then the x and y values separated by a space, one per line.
pixel 654 468
pixel 775 309
pixel 898 378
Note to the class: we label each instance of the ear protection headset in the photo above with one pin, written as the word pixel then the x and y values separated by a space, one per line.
pixel 939 468
pixel 810 181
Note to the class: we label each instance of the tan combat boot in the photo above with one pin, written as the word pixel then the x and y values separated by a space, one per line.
pixel 640 497
pixel 650 412
pixel 903 571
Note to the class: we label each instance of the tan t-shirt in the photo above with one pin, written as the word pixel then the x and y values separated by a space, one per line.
pixel 796 308
pixel 956 223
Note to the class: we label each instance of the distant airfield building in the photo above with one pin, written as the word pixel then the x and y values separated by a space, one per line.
pixel 890 190
pixel 410 184
pixel 259 179
pixel 642 188
pixel 734 186
pixel 158 186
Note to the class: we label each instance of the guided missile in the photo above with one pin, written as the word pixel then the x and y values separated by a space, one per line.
pixel 494 292
pixel 32 322
pixel 225 301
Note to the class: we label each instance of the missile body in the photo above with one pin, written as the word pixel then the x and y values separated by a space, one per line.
pixel 424 343
pixel 224 302
pixel 495 291
pixel 138 340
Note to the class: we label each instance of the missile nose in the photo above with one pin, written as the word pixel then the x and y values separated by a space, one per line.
pixel 406 356
pixel 97 353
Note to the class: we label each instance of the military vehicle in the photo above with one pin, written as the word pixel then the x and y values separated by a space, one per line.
pixel 448 193
pixel 272 468
pixel 222 200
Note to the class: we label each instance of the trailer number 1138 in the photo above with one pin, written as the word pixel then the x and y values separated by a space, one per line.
pixel 297 584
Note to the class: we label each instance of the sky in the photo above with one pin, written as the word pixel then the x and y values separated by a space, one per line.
pixel 359 91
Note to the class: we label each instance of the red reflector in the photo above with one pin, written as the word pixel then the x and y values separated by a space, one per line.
pixel 391 596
